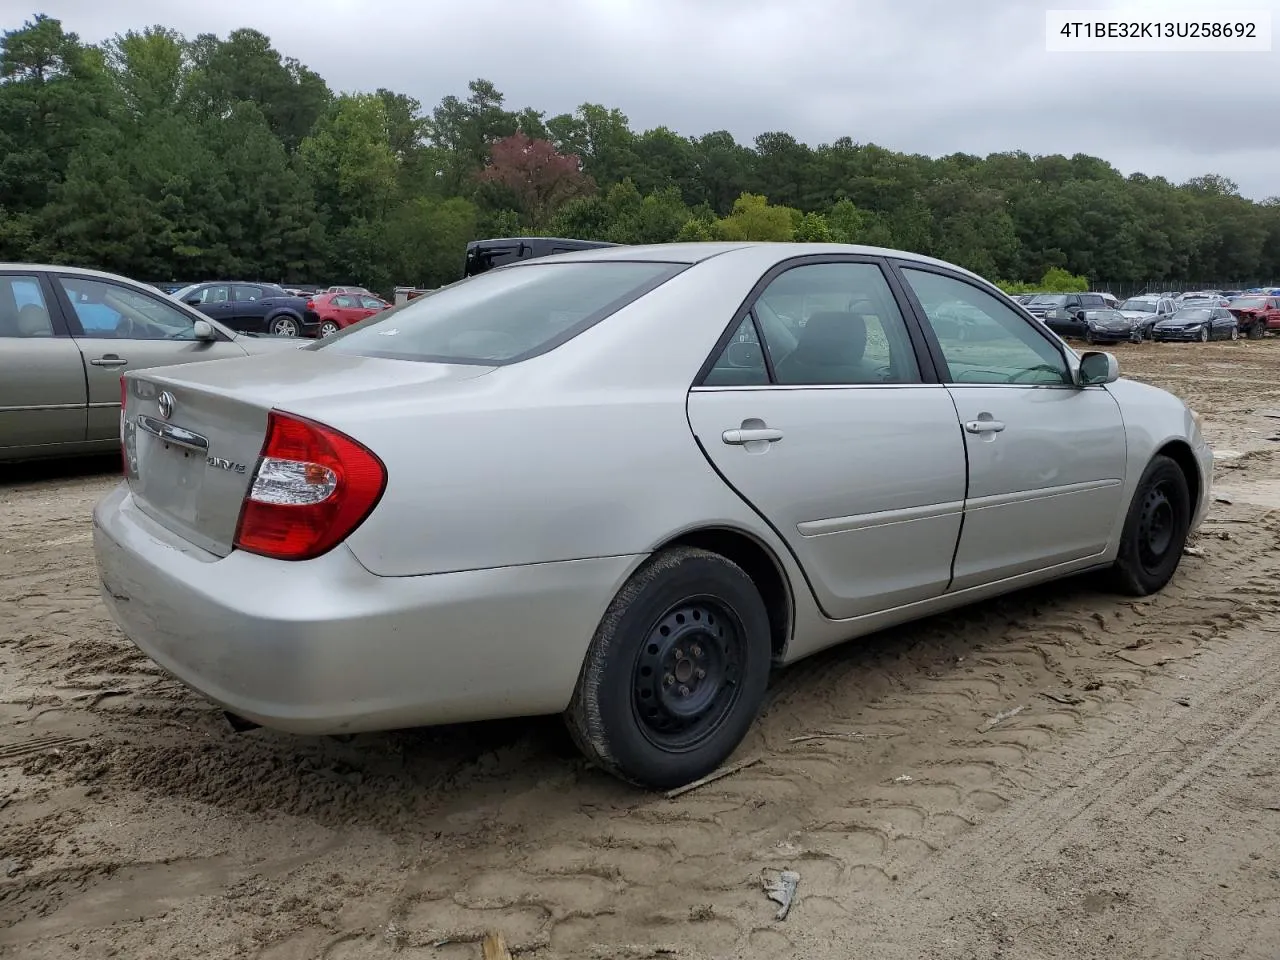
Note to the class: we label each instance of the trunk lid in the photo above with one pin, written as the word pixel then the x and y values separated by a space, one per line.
pixel 193 434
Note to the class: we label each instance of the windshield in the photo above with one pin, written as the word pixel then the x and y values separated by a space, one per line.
pixel 1248 303
pixel 1049 300
pixel 1140 306
pixel 504 315
pixel 179 294
pixel 1192 315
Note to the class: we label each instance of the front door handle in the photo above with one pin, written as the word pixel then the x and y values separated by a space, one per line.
pixel 984 426
pixel 747 436
pixel 110 360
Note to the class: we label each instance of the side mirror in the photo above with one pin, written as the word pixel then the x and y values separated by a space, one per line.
pixel 1096 368
pixel 203 330
pixel 191 301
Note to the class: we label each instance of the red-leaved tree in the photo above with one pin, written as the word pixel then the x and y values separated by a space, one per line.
pixel 539 178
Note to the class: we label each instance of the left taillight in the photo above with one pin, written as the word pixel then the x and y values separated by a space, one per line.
pixel 124 401
pixel 312 488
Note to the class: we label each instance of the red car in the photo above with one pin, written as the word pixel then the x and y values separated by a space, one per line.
pixel 338 310
pixel 1256 314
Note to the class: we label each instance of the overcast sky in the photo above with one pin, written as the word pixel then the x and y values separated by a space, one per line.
pixel 923 76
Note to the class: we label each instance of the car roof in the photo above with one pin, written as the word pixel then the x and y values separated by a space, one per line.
pixel 698 252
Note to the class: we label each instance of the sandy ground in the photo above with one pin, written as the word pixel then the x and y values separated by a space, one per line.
pixel 1130 807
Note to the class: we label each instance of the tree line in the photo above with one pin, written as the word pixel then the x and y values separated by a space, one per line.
pixel 163 157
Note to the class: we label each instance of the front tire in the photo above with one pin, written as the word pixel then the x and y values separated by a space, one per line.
pixel 1155 530
pixel 1257 331
pixel 1235 333
pixel 1205 335
pixel 676 671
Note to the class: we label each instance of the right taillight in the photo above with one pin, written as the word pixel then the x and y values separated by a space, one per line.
pixel 313 486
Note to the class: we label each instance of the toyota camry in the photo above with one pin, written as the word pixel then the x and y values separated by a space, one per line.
pixel 622 485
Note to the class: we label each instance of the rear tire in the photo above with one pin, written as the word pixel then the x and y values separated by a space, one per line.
pixel 1155 531
pixel 285 325
pixel 328 328
pixel 676 672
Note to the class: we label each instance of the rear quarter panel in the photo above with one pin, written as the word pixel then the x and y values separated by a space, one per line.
pixel 583 452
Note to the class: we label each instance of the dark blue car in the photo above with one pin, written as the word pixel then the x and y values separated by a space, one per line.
pixel 253 307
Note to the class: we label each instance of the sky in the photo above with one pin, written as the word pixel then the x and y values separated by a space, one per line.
pixel 921 76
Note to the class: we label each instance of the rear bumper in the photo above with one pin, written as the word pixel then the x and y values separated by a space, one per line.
pixel 324 646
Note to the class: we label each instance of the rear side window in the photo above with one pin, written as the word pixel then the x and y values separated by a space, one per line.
pixel 503 316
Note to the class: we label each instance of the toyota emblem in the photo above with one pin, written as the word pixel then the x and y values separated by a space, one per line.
pixel 166 404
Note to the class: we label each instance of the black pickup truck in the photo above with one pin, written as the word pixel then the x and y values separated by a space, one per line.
pixel 252 307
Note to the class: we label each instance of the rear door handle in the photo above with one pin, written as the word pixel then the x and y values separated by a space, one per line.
pixel 984 426
pixel 747 436
pixel 111 360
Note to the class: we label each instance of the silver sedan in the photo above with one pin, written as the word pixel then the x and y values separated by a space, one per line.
pixel 622 485
pixel 66 336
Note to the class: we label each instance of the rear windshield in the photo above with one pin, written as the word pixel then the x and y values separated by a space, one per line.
pixel 503 316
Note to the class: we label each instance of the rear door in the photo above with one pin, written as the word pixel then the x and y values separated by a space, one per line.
pixel 117 328
pixel 834 433
pixel 43 396
pixel 1046 458
pixel 249 305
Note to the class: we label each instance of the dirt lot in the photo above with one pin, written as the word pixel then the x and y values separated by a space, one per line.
pixel 1130 807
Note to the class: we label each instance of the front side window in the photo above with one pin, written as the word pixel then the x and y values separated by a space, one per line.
pixel 110 311
pixel 997 345
pixel 835 323
pixel 23 311
pixel 503 316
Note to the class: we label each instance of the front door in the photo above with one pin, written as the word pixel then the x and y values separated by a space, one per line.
pixel 131 330
pixel 1046 458
pixel 816 413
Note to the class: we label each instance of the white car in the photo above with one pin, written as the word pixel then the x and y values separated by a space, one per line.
pixel 616 484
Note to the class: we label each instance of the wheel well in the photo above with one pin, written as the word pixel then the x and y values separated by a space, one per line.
pixel 1180 453
pixel 759 563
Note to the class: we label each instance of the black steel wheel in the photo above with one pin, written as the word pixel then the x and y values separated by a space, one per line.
pixel 676 672
pixel 686 676
pixel 1155 530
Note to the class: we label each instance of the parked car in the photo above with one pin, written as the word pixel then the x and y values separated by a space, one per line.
pixel 1063 313
pixel 1110 326
pixel 67 335
pixel 341 289
pixel 338 310
pixel 1197 323
pixel 484 255
pixel 1147 311
pixel 1256 315
pixel 690 509
pixel 252 308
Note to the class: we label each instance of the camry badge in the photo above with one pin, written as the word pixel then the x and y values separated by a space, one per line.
pixel 222 463
pixel 165 403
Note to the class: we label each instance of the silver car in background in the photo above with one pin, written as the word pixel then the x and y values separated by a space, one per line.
pixel 623 484
pixel 67 335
